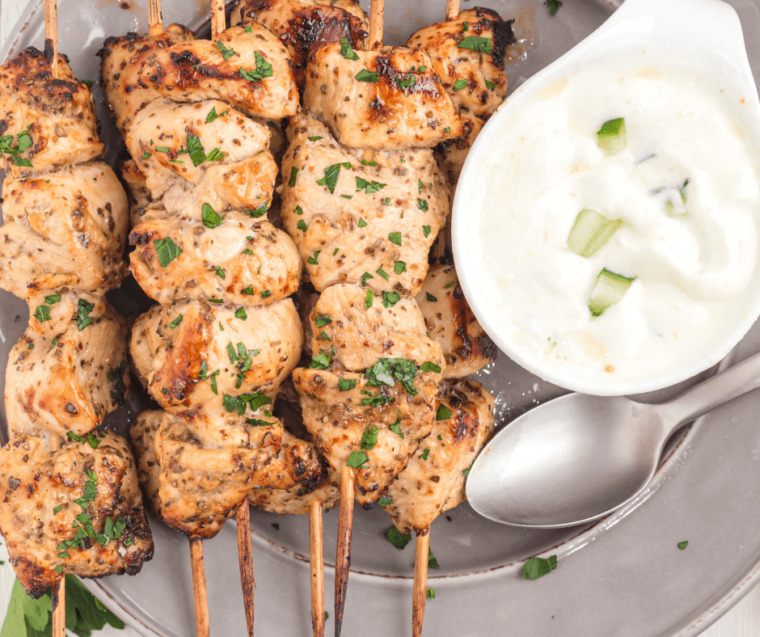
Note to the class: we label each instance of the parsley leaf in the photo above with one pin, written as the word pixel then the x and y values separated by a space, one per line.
pixel 42 313
pixel 477 44
pixel 52 299
pixel 430 367
pixel 432 562
pixel 323 320
pixel 443 413
pixel 368 76
pixel 331 177
pixel 460 84
pixel 422 204
pixel 553 5
pixel 361 223
pixel 537 567
pixel 385 501
pixel 263 68
pixel 346 384
pixel 369 437
pixel 175 322
pixel 83 314
pixel 397 538
pixel 211 115
pixel 357 459
pixel 390 299
pixel 226 53
pixel 195 150
pixel 388 371
pixel 167 250
pixel 211 218
pixel 395 237
pixel 346 50
pixel 370 298
pixel 369 187
pixel 259 212
pixel 426 230
pixel 293 175
pixel 683 545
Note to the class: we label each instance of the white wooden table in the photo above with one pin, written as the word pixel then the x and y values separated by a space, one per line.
pixel 741 621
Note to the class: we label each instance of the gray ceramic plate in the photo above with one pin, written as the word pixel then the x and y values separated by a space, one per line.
pixel 624 576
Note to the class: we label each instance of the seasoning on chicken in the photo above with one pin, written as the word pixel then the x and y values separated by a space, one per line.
pixel 194 472
pixel 137 191
pixel 247 67
pixel 45 122
pixel 388 99
pixel 296 499
pixel 66 228
pixel 468 55
pixel 433 481
pixel 69 369
pixel 451 323
pixel 361 217
pixel 297 469
pixel 195 355
pixel 203 155
pixel 77 508
pixel 368 394
pixel 122 60
pixel 304 26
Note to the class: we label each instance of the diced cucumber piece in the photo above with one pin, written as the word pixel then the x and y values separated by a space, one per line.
pixel 612 136
pixel 590 232
pixel 608 290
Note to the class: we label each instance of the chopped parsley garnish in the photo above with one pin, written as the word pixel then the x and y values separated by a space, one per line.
pixel 432 562
pixel 24 141
pixel 346 384
pixel 390 299
pixel 426 230
pixel 313 260
pixel 357 459
pixel 52 299
pixel 298 210
pixel 211 115
pixel 409 80
pixel 265 294
pixel 367 76
pixel 388 371
pixel 430 593
pixel 204 370
pixel 466 472
pixel 210 217
pixel 382 273
pixel 362 223
pixel 83 314
pixel 477 44
pixel 175 322
pixel 490 85
pixel 90 438
pixel 219 272
pixel 430 297
pixel 364 277
pixel 397 538
pixel 369 437
pixel 430 367
pixel 384 501
pixel 217 301
pixel 145 154
pixel 331 176
pixel 346 50
pixel 167 250
pixel 57 510
pixel 683 545
pixel 241 313
pixel 420 185
pixel 301 225
pixel 320 361
pixel 553 5
pixel 195 150
pixel 424 456
pixel 443 413
pixel 395 237
pixel 370 298
pixel 323 320
pixel 239 403
pixel 368 163
pixel 42 313
pixel 226 53
pixel 258 212
pixel 248 290
pixel 293 176
pixel 369 187
pixel 324 336
pixel 422 204
pixel 537 567
pixel 460 84
pixel 399 267
pixel 163 149
pixel 315 138
pixel 263 68
pixel 396 426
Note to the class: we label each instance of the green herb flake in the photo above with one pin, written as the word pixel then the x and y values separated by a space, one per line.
pixel 167 250
pixel 361 223
pixel 83 314
pixel 430 593
pixel 683 545
pixel 248 290
pixel 460 84
pixel 346 50
pixel 368 163
pixel 369 187
pixel 395 237
pixel 443 413
pixel 390 299
pixel 369 437
pixel 301 225
pixel 399 267
pixel 211 115
pixel 263 69
pixel 298 210
pixel 346 384
pixel 426 230
pixel 175 322
pixel 422 204
pixel 477 44
pixel 430 367
pixel 367 76
pixel 258 212
pixel 357 459
pixel 53 299
pixel 226 53
pixel 293 176
pixel 553 6
pixel 315 138
pixel 430 297
pixel 385 501
pixel 42 313
pixel 369 299
pixel 397 538
pixel 490 85
pixel 331 177
pixel 382 273
pixel 313 260
pixel 424 456
pixel 210 217
pixel 241 313
pixel 537 567
pixel 219 272
pixel 323 320
pixel 432 562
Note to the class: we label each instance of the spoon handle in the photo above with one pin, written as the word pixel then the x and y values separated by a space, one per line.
pixel 721 388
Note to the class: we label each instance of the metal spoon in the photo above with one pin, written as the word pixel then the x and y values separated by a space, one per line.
pixel 579 457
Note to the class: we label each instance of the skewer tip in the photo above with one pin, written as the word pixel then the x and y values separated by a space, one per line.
pixel 422 549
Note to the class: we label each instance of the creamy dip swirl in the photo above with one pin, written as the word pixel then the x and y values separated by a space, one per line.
pixel 686 190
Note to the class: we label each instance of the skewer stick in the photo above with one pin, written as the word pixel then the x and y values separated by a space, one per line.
pixel 245 558
pixel 452 9
pixel 317 569
pixel 59 608
pixel 343 557
pixel 155 19
pixel 51 34
pixel 422 548
pixel 199 588
pixel 218 18
pixel 376 17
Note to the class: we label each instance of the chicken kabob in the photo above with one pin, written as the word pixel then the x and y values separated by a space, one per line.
pixel 206 252
pixel 71 501
pixel 468 51
pixel 364 200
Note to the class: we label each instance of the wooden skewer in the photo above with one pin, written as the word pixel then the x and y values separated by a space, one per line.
pixel 155 19
pixel 376 17
pixel 59 608
pixel 51 34
pixel 218 18
pixel 452 9
pixel 199 588
pixel 317 569
pixel 343 557
pixel 422 549
pixel 245 558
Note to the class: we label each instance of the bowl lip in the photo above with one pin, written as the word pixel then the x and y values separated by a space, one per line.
pixel 466 226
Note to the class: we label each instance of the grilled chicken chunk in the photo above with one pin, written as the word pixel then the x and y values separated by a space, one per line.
pixel 247 67
pixel 67 228
pixel 194 355
pixel 78 507
pixel 304 26
pixel 137 191
pixel 45 123
pixel 468 56
pixel 297 466
pixel 196 474
pixel 382 412
pixel 242 261
pixel 69 369
pixel 433 481
pixel 296 500
pixel 452 154
pixel 203 154
pixel 451 323
pixel 361 336
pixel 122 60
pixel 382 100
pixel 371 222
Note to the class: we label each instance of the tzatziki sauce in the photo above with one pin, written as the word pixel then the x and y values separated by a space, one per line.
pixel 620 222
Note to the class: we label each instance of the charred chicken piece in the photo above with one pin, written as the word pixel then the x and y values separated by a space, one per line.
pixel 451 323
pixel 468 55
pixel 137 191
pixel 77 508
pixel 122 60
pixel 297 467
pixel 247 67
pixel 361 216
pixel 196 473
pixel 67 228
pixel 433 481
pixel 45 123
pixel 195 356
pixel 69 369
pixel 203 155
pixel 452 154
pixel 241 261
pixel 388 99
pixel 304 26
pixel 296 500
